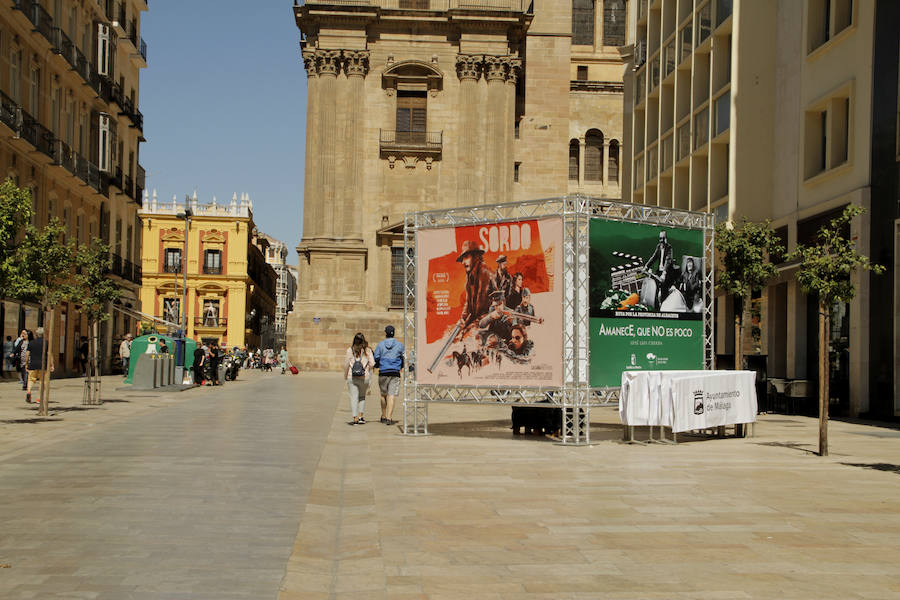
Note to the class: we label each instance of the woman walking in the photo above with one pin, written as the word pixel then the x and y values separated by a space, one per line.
pixel 358 368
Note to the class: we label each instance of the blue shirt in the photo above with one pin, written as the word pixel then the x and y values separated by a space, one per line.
pixel 389 355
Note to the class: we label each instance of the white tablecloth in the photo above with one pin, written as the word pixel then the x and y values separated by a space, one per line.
pixel 686 400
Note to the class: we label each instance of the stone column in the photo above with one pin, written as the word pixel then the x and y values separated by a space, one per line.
pixel 581 147
pixel 329 65
pixel 356 65
pixel 604 170
pixel 495 68
pixel 311 186
pixel 468 68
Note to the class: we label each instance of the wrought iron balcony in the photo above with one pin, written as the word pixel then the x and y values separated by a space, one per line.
pixel 169 268
pixel 36 134
pixel 116 265
pixel 10 113
pixel 128 187
pixel 138 274
pixel 64 156
pixel 433 5
pixel 87 172
pixel 210 322
pixel 430 142
pixel 211 270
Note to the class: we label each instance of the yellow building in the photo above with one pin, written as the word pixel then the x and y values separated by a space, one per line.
pixel 230 288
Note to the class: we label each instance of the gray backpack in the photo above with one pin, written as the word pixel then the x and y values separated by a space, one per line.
pixel 358 370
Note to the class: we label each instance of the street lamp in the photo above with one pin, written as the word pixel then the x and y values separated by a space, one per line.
pixel 186 217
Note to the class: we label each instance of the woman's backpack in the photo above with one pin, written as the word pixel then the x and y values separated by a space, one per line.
pixel 358 370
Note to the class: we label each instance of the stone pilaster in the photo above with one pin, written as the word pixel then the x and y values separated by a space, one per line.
pixel 356 66
pixel 468 68
pixel 495 70
pixel 329 65
pixel 311 185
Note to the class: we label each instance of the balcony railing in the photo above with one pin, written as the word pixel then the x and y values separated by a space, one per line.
pixel 421 141
pixel 210 322
pixel 87 172
pixel 36 134
pixel 10 113
pixel 138 277
pixel 116 265
pixel 64 156
pixel 39 17
pixel 434 5
pixel 128 187
pixel 168 268
pixel 142 49
pixel 212 270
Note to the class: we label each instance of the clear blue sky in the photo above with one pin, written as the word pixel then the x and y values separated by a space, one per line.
pixel 224 103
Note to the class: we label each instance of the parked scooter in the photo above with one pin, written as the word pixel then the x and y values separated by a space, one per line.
pixel 232 365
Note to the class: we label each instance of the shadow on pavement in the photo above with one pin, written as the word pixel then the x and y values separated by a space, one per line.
pixel 791 445
pixel 887 467
pixel 32 420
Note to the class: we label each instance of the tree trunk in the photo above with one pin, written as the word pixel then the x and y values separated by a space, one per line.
pixel 739 339
pixel 824 322
pixel 95 360
pixel 50 330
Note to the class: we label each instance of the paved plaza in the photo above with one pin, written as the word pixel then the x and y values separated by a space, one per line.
pixel 259 489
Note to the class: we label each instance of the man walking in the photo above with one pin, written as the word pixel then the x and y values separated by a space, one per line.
pixel 34 358
pixel 389 360
pixel 125 352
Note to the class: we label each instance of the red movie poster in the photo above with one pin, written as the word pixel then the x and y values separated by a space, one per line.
pixel 490 304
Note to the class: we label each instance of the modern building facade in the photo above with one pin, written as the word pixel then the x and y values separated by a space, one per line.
pixel 230 289
pixel 432 104
pixel 783 110
pixel 70 131
pixel 276 254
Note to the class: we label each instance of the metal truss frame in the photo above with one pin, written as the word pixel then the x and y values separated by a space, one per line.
pixel 574 396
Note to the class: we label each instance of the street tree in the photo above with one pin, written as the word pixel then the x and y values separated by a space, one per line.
pixel 826 269
pixel 43 273
pixel 15 212
pixel 745 253
pixel 94 292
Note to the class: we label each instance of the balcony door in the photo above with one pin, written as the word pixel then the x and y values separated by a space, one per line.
pixel 412 117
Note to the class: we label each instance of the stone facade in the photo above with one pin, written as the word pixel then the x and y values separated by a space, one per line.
pixel 70 132
pixel 792 131
pixel 431 104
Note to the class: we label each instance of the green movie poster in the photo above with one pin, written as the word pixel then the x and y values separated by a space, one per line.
pixel 646 299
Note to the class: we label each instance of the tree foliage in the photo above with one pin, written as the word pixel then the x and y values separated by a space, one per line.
pixel 826 266
pixel 745 252
pixel 43 266
pixel 15 212
pixel 94 290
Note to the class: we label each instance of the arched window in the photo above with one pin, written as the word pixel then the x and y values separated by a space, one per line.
pixel 613 153
pixel 583 22
pixel 574 150
pixel 593 155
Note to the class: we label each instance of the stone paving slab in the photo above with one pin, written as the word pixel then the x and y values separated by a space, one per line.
pixel 188 495
pixel 473 512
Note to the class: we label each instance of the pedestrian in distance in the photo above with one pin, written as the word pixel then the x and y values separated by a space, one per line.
pixel 125 352
pixel 358 370
pixel 199 358
pixel 83 355
pixel 283 359
pixel 34 358
pixel 389 358
pixel 9 350
pixel 19 349
pixel 163 347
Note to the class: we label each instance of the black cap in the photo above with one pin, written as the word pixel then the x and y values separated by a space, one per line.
pixel 389 331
